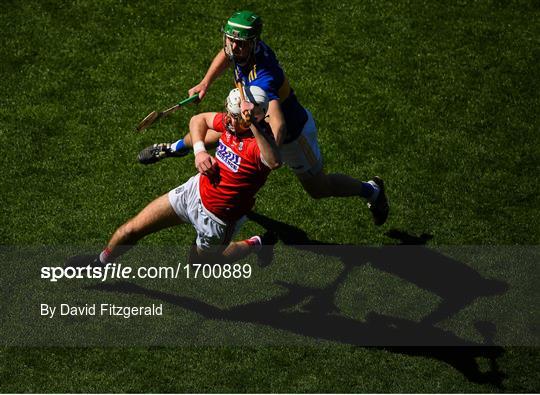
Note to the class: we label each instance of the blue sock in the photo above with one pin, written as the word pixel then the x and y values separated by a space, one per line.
pixel 370 191
pixel 177 146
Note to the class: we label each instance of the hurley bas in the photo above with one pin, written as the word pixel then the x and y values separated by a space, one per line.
pixel 103 309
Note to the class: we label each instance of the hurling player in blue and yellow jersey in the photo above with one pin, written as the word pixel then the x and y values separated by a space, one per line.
pixel 254 63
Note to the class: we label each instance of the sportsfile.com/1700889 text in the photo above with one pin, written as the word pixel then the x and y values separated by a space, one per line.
pixel 118 271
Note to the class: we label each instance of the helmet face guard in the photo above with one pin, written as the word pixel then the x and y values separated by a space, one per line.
pixel 232 105
pixel 243 28
pixel 254 95
pixel 228 46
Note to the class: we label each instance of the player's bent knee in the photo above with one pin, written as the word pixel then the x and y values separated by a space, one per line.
pixel 316 193
pixel 315 190
pixel 316 185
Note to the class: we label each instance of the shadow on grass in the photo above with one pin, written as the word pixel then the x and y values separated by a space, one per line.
pixel 311 311
pixel 454 282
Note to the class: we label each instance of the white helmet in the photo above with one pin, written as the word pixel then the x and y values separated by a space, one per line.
pixel 253 94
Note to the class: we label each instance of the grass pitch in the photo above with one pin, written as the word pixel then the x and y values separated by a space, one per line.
pixel 439 99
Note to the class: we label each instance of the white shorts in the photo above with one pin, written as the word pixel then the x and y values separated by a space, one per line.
pixel 303 154
pixel 213 234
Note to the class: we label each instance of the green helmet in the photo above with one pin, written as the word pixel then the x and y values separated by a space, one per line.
pixel 243 25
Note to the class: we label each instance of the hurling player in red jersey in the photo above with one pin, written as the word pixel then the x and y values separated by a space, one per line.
pixel 215 200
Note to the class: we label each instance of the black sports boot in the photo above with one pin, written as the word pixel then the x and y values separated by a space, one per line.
pixel 379 208
pixel 83 261
pixel 266 254
pixel 157 152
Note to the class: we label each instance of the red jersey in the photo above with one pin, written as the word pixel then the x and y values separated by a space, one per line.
pixel 231 193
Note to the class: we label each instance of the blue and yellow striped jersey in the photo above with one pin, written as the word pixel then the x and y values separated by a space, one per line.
pixel 267 74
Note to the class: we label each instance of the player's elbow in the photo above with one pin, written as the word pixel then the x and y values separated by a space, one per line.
pixel 276 164
pixel 196 121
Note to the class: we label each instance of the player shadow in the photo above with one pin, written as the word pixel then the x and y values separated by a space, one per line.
pixel 455 283
pixel 311 312
pixel 304 311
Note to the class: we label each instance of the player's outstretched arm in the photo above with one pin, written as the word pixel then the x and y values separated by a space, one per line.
pixel 217 67
pixel 199 125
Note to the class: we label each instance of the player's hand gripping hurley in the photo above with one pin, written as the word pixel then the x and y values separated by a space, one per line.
pixel 154 115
